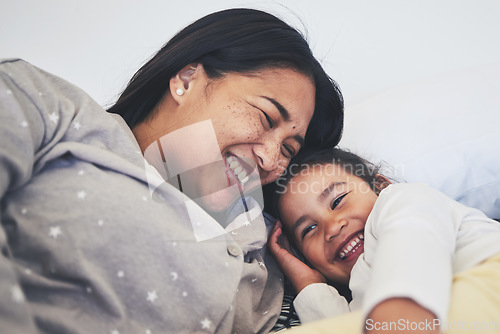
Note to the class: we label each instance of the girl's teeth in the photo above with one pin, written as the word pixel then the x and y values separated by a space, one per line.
pixel 233 164
pixel 352 245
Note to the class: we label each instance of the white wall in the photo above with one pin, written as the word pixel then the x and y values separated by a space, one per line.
pixel 368 46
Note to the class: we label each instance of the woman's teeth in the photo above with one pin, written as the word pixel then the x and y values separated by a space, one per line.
pixel 237 169
pixel 351 246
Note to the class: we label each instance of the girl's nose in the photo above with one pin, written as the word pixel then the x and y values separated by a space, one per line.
pixel 333 227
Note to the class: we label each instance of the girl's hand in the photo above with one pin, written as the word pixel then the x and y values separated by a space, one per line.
pixel 299 273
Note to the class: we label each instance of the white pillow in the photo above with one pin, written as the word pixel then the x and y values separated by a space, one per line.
pixel 444 131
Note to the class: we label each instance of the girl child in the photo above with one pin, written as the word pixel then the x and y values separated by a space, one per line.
pixel 412 259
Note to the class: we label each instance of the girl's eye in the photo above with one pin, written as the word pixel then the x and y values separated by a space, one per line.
pixel 307 230
pixel 337 201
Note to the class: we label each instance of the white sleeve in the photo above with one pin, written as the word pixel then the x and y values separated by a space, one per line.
pixel 318 301
pixel 415 234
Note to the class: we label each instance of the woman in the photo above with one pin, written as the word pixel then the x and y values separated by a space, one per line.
pixel 94 239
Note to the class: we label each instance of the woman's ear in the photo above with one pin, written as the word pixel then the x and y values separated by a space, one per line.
pixel 381 182
pixel 180 84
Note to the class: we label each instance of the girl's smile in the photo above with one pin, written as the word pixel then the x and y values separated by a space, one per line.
pixel 325 209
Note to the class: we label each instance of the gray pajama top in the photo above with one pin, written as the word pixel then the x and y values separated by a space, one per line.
pixel 88 248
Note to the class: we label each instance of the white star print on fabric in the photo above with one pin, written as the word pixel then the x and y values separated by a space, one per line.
pixel 24 211
pixel 152 296
pixel 254 280
pixel 115 331
pixel 184 294
pixel 81 172
pixel 81 194
pixel 55 231
pixel 54 118
pixel 100 222
pixel 205 323
pixel 120 274
pixel 147 331
pixel 17 294
pixel 174 275
pixel 8 91
pixel 261 264
pixel 24 124
pixel 247 223
pixel 77 126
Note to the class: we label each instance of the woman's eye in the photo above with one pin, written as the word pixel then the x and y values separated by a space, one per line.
pixel 307 230
pixel 269 120
pixel 288 151
pixel 337 201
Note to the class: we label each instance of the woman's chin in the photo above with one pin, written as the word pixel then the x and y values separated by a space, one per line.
pixel 220 201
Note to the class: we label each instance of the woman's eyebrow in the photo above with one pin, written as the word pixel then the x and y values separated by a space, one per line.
pixel 282 110
pixel 286 117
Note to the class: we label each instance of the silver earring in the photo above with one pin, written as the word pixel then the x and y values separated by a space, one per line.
pixel 179 91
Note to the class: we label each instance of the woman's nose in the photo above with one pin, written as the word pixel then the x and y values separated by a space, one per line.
pixel 268 155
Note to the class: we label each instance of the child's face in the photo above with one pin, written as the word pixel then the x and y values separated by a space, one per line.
pixel 325 210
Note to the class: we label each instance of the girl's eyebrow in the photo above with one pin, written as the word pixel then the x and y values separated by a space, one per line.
pixel 328 190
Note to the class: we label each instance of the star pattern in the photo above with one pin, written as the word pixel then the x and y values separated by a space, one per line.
pixel 152 296
pixel 17 294
pixel 54 118
pixel 55 232
pixel 205 323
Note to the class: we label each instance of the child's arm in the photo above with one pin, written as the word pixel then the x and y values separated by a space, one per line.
pixel 316 299
pixel 409 316
pixel 409 243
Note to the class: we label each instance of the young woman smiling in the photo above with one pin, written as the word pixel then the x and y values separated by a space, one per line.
pixel 108 217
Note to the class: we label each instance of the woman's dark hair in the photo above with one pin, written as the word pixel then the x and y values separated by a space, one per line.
pixel 350 162
pixel 242 41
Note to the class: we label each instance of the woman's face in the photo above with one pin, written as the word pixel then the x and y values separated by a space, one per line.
pixel 259 122
pixel 325 210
